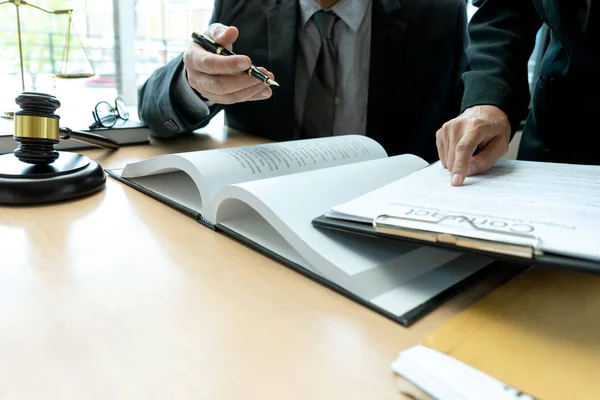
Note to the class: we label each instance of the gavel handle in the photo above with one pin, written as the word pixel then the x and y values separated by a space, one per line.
pixel 89 137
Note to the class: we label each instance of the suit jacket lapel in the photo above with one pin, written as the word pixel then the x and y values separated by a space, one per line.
pixel 387 33
pixel 282 20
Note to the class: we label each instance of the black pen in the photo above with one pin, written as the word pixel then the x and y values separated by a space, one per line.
pixel 209 44
pixel 89 137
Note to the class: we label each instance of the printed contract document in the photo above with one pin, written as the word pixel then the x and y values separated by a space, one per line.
pixel 553 207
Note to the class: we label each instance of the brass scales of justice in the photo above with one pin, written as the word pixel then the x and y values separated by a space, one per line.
pixel 63 74
pixel 35 172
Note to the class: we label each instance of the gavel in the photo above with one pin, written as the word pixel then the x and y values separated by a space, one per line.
pixel 37 173
pixel 37 129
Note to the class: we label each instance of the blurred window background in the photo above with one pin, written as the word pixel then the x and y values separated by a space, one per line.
pixel 124 40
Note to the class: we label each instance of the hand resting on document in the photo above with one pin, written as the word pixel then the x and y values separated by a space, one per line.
pixel 486 127
pixel 219 78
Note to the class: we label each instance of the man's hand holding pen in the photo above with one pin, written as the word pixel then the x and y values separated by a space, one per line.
pixel 220 79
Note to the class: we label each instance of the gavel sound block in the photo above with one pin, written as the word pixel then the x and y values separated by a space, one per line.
pixel 35 172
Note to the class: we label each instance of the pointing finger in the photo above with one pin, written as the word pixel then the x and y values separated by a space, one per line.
pixel 462 158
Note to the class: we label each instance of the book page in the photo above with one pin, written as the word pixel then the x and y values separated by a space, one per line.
pixel 368 266
pixel 557 203
pixel 213 169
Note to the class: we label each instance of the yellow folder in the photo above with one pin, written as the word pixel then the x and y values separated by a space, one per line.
pixel 539 333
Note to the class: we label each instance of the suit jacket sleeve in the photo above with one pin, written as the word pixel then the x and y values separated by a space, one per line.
pixel 162 105
pixel 460 65
pixel 501 39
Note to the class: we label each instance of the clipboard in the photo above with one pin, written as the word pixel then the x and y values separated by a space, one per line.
pixel 513 247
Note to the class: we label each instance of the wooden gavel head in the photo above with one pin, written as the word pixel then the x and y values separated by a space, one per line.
pixel 35 172
pixel 37 128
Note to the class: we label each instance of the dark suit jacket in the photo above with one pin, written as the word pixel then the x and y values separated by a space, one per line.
pixel 566 94
pixel 417 58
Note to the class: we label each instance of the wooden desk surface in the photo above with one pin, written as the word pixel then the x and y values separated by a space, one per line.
pixel 118 296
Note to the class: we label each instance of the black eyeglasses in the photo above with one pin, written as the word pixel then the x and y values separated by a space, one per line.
pixel 105 115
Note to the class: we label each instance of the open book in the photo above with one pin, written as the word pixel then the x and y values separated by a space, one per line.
pixel 537 212
pixel 267 195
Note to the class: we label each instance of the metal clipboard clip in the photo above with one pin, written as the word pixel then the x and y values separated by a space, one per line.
pixel 490 240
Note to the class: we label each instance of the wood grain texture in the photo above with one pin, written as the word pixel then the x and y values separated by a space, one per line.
pixel 117 296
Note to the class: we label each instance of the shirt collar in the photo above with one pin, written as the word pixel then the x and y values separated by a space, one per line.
pixel 352 12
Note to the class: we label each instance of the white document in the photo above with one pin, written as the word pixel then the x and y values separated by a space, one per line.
pixel 559 204
pixel 444 377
